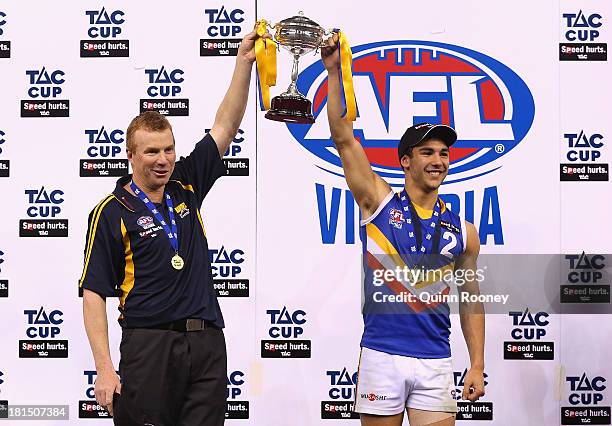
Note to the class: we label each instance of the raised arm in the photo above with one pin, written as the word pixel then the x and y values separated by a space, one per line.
pixel 230 112
pixel 472 319
pixel 367 187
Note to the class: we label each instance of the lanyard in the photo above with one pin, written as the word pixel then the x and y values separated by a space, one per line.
pixel 427 231
pixel 171 231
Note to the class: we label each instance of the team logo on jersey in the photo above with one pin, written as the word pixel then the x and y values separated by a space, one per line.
pixel 399 83
pixel 396 218
pixel 145 221
pixel 182 210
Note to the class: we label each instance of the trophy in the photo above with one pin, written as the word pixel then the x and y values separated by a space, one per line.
pixel 299 35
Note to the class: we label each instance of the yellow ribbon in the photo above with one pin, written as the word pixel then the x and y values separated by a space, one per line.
pixel 346 76
pixel 265 55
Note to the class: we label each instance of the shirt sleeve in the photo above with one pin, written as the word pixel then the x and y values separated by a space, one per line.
pixel 201 168
pixel 104 261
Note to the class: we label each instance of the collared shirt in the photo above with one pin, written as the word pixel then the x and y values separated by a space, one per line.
pixel 127 253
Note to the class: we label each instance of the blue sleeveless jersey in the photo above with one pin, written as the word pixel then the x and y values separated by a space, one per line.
pixel 411 327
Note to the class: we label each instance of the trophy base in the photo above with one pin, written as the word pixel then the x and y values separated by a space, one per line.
pixel 291 109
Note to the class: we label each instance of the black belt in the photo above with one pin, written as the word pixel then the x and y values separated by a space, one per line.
pixel 188 324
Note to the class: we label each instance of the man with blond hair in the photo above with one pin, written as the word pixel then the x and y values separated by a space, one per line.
pixel 146 244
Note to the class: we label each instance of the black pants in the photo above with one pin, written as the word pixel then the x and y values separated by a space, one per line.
pixel 172 378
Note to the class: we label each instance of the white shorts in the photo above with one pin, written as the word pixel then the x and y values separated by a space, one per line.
pixel 388 384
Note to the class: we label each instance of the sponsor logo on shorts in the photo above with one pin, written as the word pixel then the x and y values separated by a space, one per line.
pixel 373 397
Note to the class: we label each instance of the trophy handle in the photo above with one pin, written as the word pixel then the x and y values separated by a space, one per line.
pixel 272 31
pixel 268 24
pixel 327 34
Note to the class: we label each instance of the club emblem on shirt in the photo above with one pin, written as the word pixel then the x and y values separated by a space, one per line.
pixel 450 227
pixel 396 218
pixel 182 210
pixel 145 221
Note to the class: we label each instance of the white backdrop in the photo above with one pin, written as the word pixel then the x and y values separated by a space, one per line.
pixel 275 227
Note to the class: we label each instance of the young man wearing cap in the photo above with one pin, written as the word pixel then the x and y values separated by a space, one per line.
pixel 405 361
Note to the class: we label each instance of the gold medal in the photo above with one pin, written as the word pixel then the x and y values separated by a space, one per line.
pixel 177 262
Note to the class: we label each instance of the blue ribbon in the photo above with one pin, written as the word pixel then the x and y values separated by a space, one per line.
pixel 427 230
pixel 171 231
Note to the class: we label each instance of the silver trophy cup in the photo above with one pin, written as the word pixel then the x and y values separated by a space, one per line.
pixel 299 35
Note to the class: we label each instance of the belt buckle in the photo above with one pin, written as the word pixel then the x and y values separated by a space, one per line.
pixel 194 324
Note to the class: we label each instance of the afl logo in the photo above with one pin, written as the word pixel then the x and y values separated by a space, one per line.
pixel 399 83
pixel 145 221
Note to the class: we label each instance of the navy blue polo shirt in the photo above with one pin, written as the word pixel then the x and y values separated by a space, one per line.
pixel 127 253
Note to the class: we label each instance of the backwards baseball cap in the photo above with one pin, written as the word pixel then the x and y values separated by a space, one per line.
pixel 419 132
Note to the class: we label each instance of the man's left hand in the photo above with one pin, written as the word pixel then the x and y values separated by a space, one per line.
pixel 473 385
pixel 247 45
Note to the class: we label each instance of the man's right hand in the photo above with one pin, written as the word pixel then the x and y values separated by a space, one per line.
pixel 107 384
pixel 329 54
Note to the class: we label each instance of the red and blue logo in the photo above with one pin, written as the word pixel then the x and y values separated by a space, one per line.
pixel 399 83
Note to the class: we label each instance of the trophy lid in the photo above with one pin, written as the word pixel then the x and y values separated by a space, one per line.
pixel 299 34
pixel 299 20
